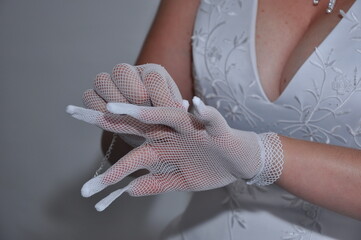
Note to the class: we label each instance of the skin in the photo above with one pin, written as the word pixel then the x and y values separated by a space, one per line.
pixel 326 175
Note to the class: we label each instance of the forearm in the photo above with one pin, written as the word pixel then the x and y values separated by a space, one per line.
pixel 169 42
pixel 326 175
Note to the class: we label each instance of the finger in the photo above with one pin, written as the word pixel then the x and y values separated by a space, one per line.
pixel 149 185
pixel 185 104
pixel 93 101
pixel 113 123
pixel 105 202
pixel 138 158
pixel 214 122
pixel 140 68
pixel 163 177
pixel 106 88
pixel 175 118
pixel 162 90
pixel 128 81
pixel 86 115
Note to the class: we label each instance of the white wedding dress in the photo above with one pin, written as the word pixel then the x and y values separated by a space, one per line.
pixel 321 103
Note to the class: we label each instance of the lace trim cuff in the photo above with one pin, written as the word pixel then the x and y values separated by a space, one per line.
pixel 272 160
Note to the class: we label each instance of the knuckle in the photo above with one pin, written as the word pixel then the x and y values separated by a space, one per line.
pixel 120 69
pixel 101 81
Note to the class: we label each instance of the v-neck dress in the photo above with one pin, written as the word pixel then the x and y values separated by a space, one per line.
pixel 322 103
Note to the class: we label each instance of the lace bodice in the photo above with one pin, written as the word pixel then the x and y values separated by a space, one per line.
pixel 321 103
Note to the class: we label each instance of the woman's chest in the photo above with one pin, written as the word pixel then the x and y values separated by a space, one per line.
pixel 287 33
pixel 319 102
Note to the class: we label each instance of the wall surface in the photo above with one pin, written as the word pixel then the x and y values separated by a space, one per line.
pixel 50 52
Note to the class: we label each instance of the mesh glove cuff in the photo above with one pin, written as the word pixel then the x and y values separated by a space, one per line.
pixel 272 160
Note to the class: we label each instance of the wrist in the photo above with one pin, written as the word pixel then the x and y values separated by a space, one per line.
pixel 272 160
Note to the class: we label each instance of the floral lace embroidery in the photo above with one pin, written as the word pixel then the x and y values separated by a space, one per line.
pixel 309 224
pixel 299 233
pixel 324 105
pixel 237 191
pixel 219 66
pixel 353 19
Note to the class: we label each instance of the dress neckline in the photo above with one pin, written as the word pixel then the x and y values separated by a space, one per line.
pixel 254 57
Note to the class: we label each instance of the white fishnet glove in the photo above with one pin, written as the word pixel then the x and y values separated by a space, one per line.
pixel 182 151
pixel 147 85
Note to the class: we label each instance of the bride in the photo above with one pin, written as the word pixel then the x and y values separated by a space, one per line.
pixel 279 151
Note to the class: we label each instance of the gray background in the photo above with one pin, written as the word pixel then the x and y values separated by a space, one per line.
pixel 50 52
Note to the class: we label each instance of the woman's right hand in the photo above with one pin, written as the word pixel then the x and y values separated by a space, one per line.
pixel 144 85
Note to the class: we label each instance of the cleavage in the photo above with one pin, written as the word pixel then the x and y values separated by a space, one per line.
pixel 287 33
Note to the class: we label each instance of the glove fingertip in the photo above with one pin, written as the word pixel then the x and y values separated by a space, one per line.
pixel 105 202
pixel 198 102
pixel 123 108
pixel 185 104
pixel 85 192
pixel 100 207
pixel 113 108
pixel 93 186
pixel 71 109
